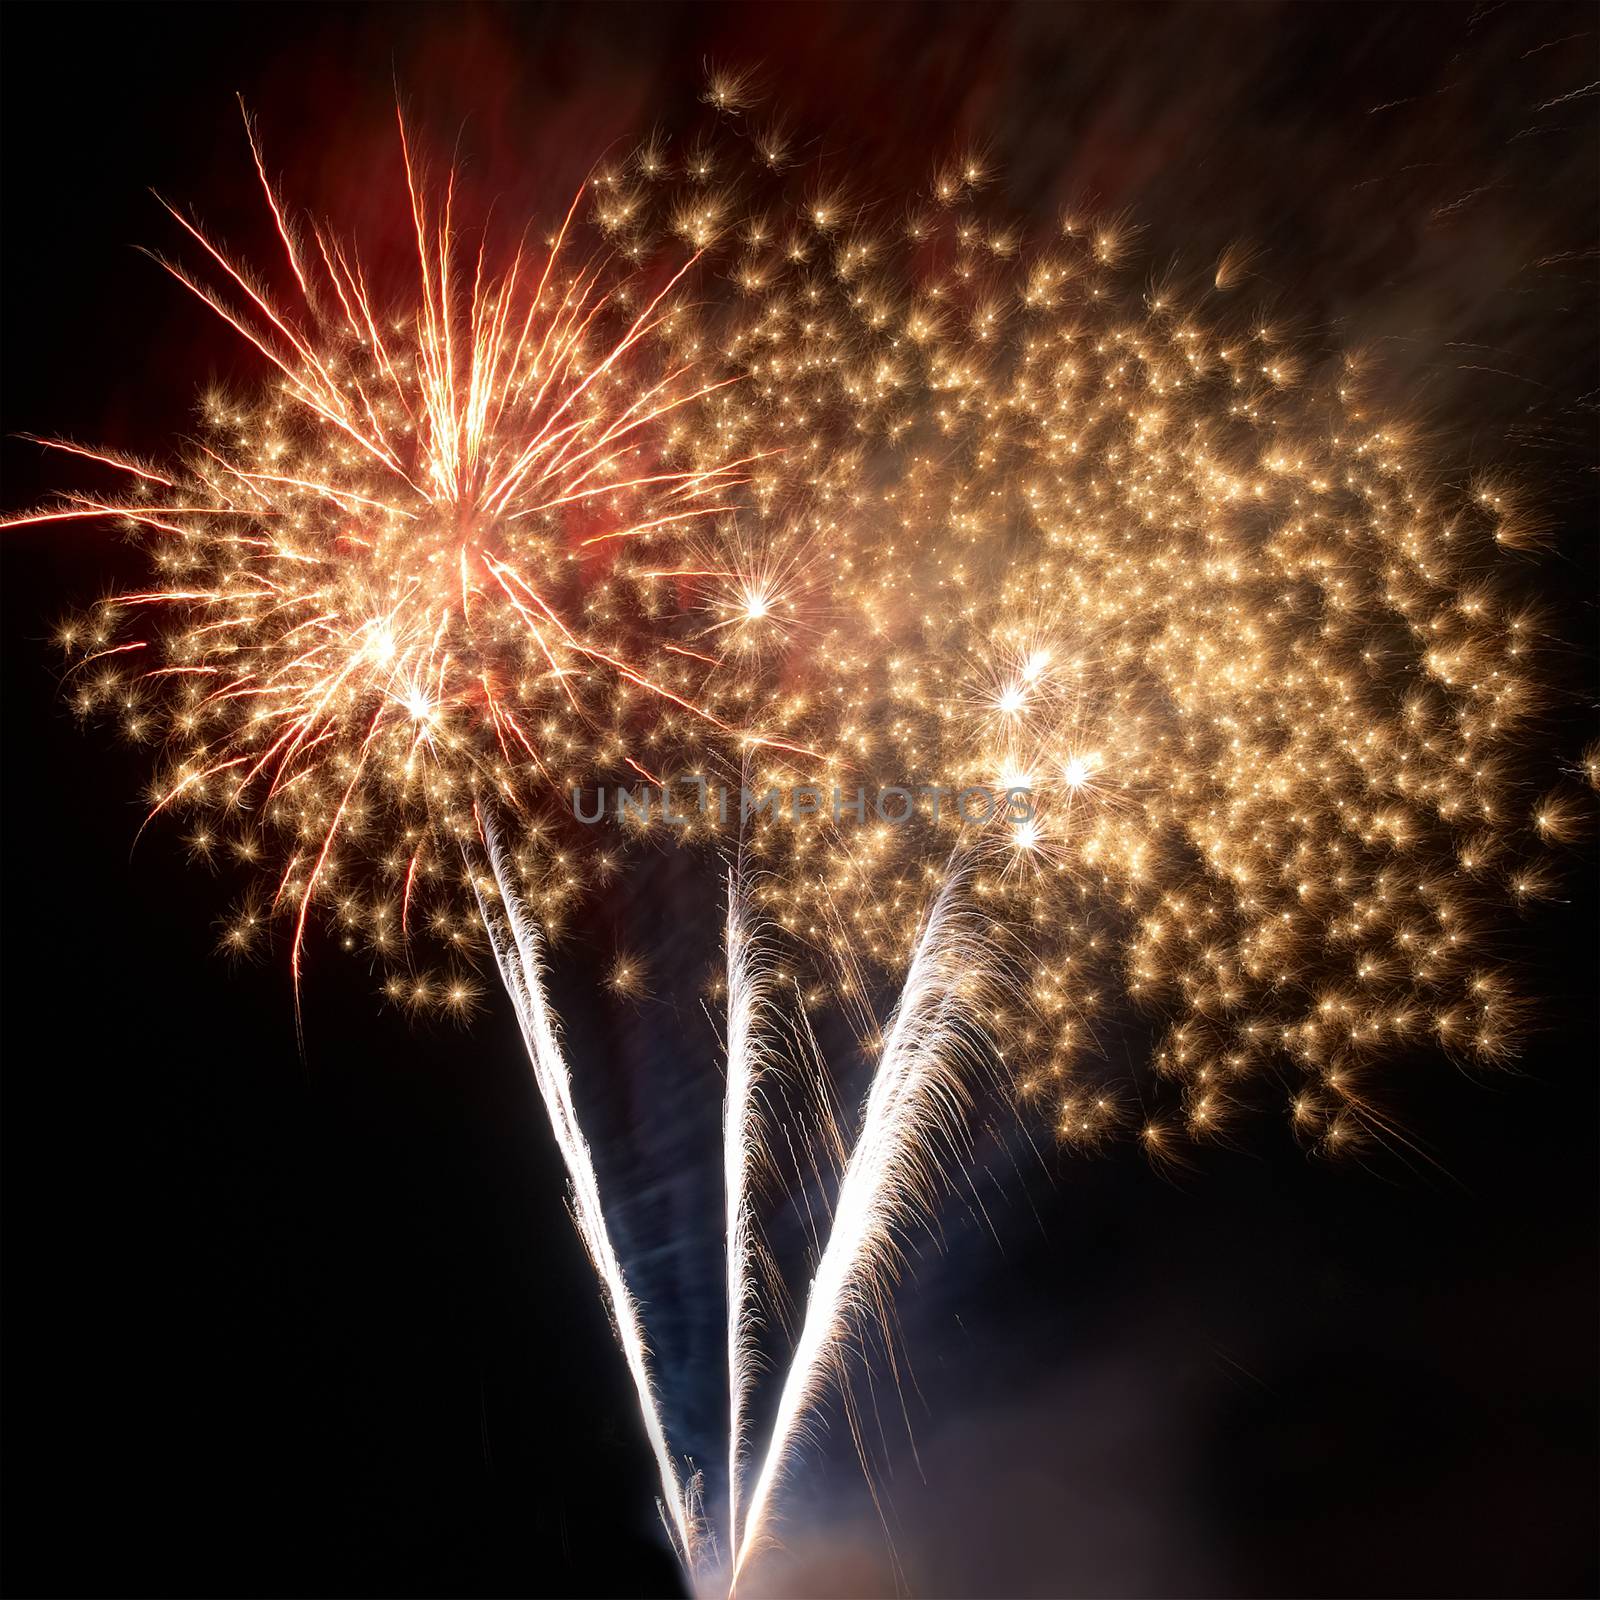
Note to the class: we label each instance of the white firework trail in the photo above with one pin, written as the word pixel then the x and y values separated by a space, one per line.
pixel 913 1113
pixel 517 951
pixel 744 1153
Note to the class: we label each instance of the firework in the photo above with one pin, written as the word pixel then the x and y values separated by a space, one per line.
pixel 439 557
pixel 758 482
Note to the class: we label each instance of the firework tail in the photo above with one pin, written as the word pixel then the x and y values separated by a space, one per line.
pixel 744 1153
pixel 913 1112
pixel 516 944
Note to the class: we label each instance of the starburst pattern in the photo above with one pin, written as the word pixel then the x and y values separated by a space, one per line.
pixel 733 479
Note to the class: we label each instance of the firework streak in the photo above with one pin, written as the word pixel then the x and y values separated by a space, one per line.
pixel 913 1116
pixel 518 955
pixel 749 1061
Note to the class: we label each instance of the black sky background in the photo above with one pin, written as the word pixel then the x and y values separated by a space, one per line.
pixel 285 1324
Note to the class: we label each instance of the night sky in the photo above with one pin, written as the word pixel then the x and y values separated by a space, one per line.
pixel 312 1322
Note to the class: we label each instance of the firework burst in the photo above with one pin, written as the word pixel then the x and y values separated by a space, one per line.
pixel 940 509
pixel 440 556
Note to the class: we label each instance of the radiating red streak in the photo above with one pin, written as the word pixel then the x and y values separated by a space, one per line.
pixel 300 389
pixel 405 898
pixel 658 522
pixel 639 329
pixel 618 431
pixel 100 655
pixel 681 650
pixel 195 596
pixel 328 490
pixel 120 463
pixel 89 513
pixel 301 346
pixel 242 478
pixel 338 288
pixel 182 787
pixel 272 200
pixel 499 573
pixel 629 483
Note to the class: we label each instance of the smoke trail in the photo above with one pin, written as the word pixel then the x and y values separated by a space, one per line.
pixel 516 946
pixel 913 1112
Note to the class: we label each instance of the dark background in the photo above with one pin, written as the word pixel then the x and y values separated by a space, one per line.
pixel 316 1324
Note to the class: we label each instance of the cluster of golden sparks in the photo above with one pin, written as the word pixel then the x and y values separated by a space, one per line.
pixel 739 478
